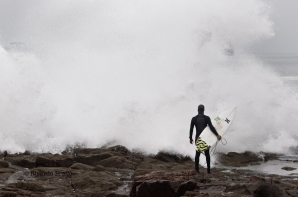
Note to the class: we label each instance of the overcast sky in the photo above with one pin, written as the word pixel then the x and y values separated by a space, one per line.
pixel 284 15
pixel 285 18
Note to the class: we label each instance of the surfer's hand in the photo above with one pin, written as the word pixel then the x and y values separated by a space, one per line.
pixel 218 137
pixel 191 141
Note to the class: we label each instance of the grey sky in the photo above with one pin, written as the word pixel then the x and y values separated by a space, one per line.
pixel 285 18
pixel 284 15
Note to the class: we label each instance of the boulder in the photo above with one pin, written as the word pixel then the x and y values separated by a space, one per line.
pixel 118 162
pixel 99 168
pixel 49 160
pixel 156 188
pixel 3 164
pixel 80 166
pixel 287 168
pixel 92 159
pixel 26 161
pixel 267 190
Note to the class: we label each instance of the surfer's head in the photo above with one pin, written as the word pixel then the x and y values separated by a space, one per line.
pixel 201 109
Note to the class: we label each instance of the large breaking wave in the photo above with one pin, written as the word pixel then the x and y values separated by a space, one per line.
pixel 133 73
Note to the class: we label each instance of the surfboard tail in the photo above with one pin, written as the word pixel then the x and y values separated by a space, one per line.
pixel 201 145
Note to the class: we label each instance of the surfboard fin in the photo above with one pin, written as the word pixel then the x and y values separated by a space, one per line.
pixel 201 145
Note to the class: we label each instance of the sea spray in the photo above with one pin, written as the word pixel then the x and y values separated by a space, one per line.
pixel 134 72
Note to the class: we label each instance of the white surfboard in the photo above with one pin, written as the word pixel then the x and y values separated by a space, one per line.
pixel 221 123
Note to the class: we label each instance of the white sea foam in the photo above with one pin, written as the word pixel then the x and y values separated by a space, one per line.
pixel 134 72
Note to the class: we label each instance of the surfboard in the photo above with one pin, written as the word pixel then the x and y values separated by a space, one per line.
pixel 221 123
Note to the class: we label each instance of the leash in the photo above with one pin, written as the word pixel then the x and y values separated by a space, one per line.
pixel 213 149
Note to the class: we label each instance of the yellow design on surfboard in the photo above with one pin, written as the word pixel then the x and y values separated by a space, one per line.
pixel 201 145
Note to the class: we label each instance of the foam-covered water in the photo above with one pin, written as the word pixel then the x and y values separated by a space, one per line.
pixel 133 73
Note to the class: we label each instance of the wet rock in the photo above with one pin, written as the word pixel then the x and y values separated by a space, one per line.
pixel 3 164
pixel 237 188
pixel 166 175
pixel 92 159
pixel 86 151
pixel 56 160
pixel 80 166
pixel 293 193
pixel 255 179
pixel 115 195
pixel 99 168
pixel 288 168
pixel 120 149
pixel 8 194
pixel 150 164
pixel 167 157
pixel 187 186
pixel 26 186
pixel 270 156
pixel 26 161
pixel 118 162
pixel 95 181
pixel 156 188
pixel 238 159
pixel 267 190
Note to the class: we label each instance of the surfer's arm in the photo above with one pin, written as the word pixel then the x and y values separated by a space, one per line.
pixel 191 129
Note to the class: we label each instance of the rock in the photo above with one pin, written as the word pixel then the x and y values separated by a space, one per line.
pixel 3 164
pixel 8 194
pixel 99 168
pixel 80 166
pixel 27 186
pixel 120 149
pixel 288 168
pixel 255 179
pixel 115 195
pixel 26 161
pixel 267 190
pixel 156 188
pixel 238 159
pixel 56 160
pixel 95 182
pixel 87 151
pixel 92 159
pixel 118 162
pixel 183 175
pixel 187 186
pixel 166 157
pixel 293 193
pixel 237 188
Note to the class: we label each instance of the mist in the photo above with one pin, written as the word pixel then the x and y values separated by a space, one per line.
pixel 93 73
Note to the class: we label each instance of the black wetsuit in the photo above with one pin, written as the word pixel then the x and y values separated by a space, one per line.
pixel 201 121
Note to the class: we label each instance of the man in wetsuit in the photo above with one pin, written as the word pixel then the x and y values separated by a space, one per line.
pixel 201 121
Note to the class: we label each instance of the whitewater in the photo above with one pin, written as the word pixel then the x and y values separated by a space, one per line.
pixel 95 73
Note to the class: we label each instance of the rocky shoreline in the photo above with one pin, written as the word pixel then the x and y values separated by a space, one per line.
pixel 117 172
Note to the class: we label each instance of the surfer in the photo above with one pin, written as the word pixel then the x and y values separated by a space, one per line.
pixel 201 121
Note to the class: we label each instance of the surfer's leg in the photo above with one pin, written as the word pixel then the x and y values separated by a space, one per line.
pixel 207 154
pixel 197 160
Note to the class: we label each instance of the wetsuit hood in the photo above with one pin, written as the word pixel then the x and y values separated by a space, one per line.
pixel 201 109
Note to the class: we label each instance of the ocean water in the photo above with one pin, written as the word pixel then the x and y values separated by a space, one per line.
pixel 133 73
pixel 285 64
